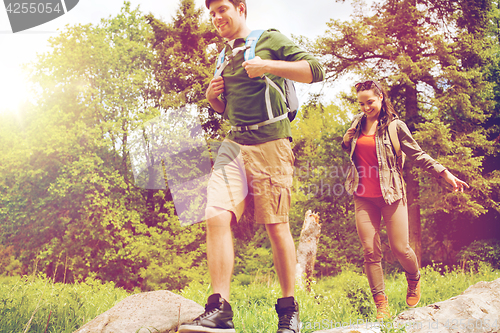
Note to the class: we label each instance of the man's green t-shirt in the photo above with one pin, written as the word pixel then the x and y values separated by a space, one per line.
pixel 245 97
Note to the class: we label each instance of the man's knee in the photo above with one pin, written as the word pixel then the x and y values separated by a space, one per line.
pixel 211 212
pixel 278 230
pixel 217 216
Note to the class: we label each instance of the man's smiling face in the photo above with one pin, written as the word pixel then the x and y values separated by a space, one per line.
pixel 227 19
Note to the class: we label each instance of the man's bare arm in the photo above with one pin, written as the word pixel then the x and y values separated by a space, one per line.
pixel 299 71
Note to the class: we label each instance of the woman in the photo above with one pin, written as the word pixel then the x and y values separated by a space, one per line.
pixel 377 184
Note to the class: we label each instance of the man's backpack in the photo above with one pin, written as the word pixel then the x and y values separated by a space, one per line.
pixel 393 135
pixel 289 95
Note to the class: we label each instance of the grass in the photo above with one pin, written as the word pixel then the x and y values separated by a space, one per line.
pixel 337 301
pixel 27 303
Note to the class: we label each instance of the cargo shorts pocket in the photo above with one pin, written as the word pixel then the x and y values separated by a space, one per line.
pixel 281 192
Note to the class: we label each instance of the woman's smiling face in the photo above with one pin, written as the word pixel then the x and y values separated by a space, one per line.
pixel 370 103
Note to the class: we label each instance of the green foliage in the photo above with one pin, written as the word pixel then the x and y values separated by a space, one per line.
pixel 255 259
pixel 457 152
pixel 334 300
pixel 320 170
pixel 33 304
pixel 9 265
pixel 69 203
pixel 357 292
pixel 187 51
pixel 173 255
pixel 440 67
pixel 487 251
pixel 79 217
pixel 442 282
pixel 344 298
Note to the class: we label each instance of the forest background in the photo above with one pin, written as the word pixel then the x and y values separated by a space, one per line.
pixel 72 207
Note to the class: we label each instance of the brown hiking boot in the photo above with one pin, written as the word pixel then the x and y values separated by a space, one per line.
pixel 382 304
pixel 413 293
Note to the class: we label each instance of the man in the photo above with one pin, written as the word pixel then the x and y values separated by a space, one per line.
pixel 257 160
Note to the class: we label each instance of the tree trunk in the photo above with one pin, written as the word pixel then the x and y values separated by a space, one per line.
pixel 412 180
pixel 306 252
pixel 414 216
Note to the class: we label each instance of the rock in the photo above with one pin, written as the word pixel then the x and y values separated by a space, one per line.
pixel 156 311
pixel 475 310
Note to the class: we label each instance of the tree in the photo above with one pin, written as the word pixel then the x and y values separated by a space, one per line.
pixel 187 50
pixel 94 88
pixel 320 172
pixel 72 208
pixel 429 54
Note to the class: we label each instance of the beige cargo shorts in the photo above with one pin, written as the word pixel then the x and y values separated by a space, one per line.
pixel 263 171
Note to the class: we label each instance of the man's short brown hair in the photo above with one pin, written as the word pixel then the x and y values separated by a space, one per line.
pixel 235 3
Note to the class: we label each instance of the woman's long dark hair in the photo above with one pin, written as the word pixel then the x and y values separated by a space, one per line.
pixel 387 113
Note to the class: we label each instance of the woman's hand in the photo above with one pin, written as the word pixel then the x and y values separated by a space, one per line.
pixel 458 185
pixel 349 135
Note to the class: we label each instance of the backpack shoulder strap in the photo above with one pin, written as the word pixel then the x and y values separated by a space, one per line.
pixel 393 134
pixel 357 119
pixel 251 42
pixel 220 61
pixel 249 49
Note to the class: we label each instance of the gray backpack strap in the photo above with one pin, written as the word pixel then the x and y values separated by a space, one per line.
pixel 291 99
pixel 271 118
pixel 270 83
pixel 258 125
pixel 227 59
pixel 251 43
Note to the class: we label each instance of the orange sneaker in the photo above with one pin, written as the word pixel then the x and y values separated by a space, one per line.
pixel 382 304
pixel 413 292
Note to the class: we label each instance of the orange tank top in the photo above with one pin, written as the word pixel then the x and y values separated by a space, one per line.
pixel 365 159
